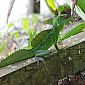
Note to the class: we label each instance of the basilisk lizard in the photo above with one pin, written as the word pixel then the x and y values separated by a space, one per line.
pixel 43 41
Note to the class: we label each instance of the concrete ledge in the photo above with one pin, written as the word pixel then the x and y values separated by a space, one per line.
pixel 11 68
pixel 79 38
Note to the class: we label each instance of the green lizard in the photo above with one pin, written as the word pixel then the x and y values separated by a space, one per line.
pixel 43 41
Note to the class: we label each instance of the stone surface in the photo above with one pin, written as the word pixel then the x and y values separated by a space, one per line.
pixel 57 66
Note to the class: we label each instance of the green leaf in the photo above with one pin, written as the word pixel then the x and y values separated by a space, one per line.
pixel 81 4
pixel 32 34
pixel 74 31
pixel 25 25
pixel 35 19
pixel 2 47
pixel 10 25
pixel 51 3
pixel 16 34
pixel 60 8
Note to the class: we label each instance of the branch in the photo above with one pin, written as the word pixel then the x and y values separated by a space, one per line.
pixel 11 3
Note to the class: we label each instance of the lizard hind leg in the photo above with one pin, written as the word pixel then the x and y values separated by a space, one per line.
pixel 42 60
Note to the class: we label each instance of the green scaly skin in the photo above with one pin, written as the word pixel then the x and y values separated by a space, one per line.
pixel 50 37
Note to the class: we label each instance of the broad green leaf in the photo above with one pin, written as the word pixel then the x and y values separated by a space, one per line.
pixel 39 37
pixel 34 20
pixel 81 4
pixel 10 25
pixel 60 8
pixel 16 34
pixel 74 31
pixel 51 3
pixel 52 7
pixel 25 25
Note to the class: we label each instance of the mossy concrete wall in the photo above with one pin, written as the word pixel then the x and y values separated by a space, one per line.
pixel 58 65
